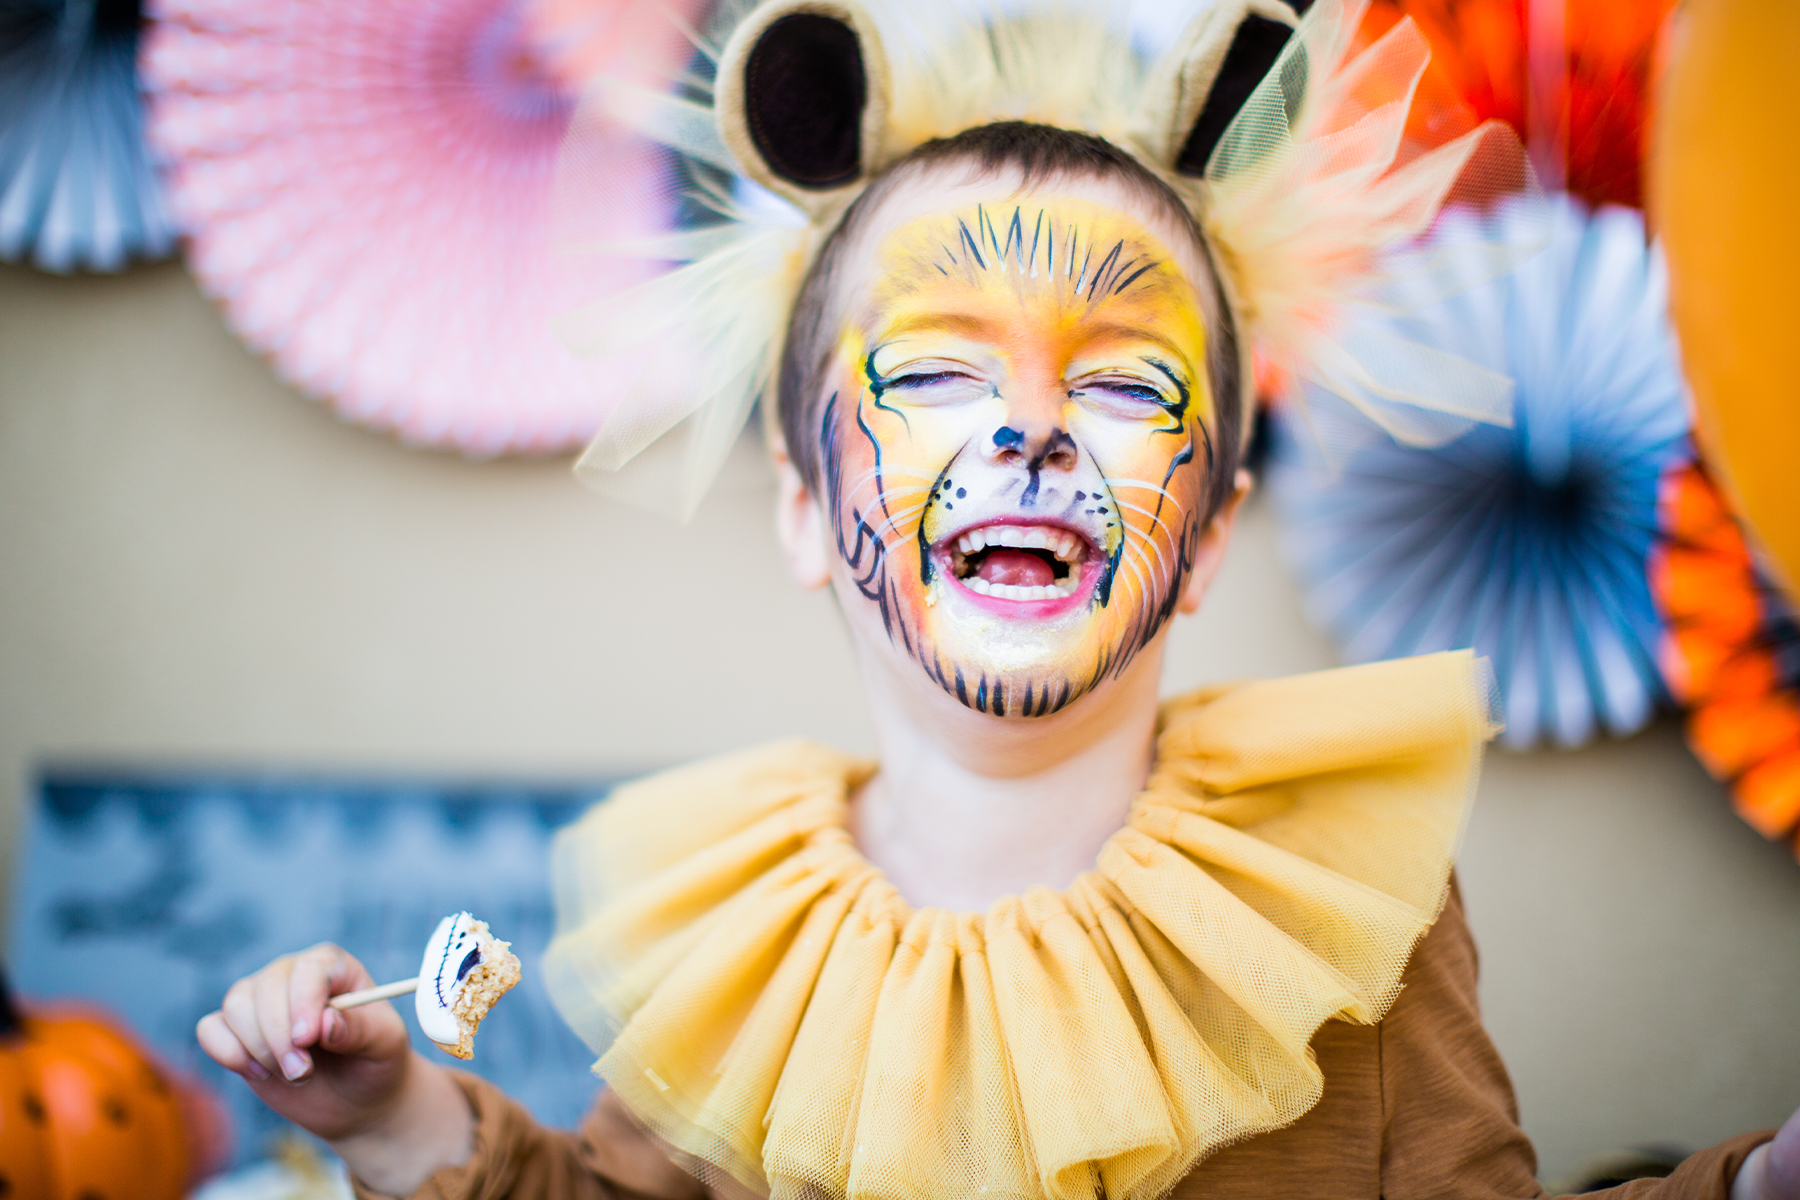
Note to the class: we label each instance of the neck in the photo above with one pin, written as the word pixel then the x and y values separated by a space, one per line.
pixel 968 807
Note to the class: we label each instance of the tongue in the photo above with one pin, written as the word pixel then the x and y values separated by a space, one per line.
pixel 1020 568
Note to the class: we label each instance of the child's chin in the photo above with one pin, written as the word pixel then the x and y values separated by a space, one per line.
pixel 1016 673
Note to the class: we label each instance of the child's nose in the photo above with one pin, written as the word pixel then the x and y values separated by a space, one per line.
pixel 1032 446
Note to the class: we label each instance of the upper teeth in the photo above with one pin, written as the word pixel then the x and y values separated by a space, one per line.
pixel 1060 542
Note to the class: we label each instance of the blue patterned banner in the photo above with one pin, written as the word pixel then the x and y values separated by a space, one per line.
pixel 150 894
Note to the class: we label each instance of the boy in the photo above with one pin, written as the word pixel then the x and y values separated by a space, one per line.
pixel 1062 942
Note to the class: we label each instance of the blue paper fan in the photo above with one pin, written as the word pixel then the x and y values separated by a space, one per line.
pixel 1530 543
pixel 76 185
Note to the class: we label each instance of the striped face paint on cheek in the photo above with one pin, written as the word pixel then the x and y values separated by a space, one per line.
pixel 1016 447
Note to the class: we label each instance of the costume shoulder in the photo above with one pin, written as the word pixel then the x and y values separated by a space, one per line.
pixel 1342 769
pixel 765 1001
pixel 688 813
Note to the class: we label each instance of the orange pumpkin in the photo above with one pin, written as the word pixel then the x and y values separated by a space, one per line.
pixel 85 1114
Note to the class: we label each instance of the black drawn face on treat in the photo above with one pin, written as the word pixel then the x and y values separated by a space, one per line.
pixel 1016 445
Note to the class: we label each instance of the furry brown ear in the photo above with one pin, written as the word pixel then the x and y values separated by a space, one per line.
pixel 802 97
pixel 1198 88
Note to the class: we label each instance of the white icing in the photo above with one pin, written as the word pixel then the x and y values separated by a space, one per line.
pixel 440 977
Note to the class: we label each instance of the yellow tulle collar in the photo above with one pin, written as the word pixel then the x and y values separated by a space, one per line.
pixel 766 1003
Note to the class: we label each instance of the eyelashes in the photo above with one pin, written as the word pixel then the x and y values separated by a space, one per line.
pixel 1141 392
pixel 1121 391
pixel 920 380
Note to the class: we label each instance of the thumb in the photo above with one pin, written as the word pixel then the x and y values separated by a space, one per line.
pixel 369 1031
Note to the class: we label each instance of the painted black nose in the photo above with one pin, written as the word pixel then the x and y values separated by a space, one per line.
pixel 1034 451
pixel 1049 448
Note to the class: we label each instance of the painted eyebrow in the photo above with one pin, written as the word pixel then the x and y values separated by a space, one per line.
pixel 971 324
pixel 1139 333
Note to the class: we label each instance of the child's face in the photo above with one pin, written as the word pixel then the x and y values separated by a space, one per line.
pixel 1015 442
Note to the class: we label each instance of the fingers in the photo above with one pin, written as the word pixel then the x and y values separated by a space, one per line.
pixel 269 1020
pixel 225 1048
pixel 240 1012
pixel 319 974
pixel 275 1019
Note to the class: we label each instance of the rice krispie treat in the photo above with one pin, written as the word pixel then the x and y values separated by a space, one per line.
pixel 465 971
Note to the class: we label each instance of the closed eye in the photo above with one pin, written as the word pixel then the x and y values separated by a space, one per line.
pixel 924 379
pixel 1135 391
pixel 1122 391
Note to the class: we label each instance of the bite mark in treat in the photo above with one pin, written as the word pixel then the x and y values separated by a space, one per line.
pixel 465 971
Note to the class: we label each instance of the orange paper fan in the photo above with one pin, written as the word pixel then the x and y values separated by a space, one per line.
pixel 1574 78
pixel 1731 654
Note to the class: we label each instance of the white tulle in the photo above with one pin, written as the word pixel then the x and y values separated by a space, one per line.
pixel 1318 201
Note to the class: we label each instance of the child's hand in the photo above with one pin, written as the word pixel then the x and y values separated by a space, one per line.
pixel 333 1073
pixel 1772 1172
pixel 349 1077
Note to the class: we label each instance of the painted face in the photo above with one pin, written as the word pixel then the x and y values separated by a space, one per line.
pixel 1016 446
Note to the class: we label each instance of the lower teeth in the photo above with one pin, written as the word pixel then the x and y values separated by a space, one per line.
pixel 1011 591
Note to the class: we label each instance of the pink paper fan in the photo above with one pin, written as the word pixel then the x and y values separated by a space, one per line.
pixel 368 188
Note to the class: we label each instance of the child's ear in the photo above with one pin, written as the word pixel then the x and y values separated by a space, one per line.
pixel 1206 77
pixel 802 98
pixel 1211 552
pixel 799 522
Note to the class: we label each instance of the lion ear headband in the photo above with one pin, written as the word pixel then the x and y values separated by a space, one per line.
pixel 1289 142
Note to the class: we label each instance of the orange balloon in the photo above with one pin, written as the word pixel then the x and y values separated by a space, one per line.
pixel 1724 182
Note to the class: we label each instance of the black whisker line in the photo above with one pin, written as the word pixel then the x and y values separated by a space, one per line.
pixel 878 389
pixel 866 555
pixel 1119 269
pixel 1015 239
pixel 880 484
pixel 968 243
pixel 1106 263
pixel 1177 412
pixel 1132 278
pixel 905 638
pixel 1186 456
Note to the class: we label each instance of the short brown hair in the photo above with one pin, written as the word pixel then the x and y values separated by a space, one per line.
pixel 1036 153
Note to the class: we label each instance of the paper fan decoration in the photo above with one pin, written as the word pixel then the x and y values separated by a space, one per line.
pixel 1529 543
pixel 1731 654
pixel 1574 78
pixel 372 197
pixel 77 188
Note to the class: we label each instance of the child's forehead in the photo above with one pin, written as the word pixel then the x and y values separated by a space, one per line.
pixel 1091 234
pixel 1064 246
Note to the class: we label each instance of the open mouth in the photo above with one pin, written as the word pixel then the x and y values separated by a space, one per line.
pixel 1019 562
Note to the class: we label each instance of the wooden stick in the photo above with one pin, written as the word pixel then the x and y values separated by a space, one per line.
pixel 386 991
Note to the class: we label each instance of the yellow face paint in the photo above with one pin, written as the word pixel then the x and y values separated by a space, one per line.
pixel 1017 444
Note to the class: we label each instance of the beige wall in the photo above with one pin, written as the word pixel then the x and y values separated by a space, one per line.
pixel 201 568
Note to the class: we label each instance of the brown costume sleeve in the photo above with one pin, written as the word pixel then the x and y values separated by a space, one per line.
pixel 1425 1088
pixel 608 1158
pixel 1451 1124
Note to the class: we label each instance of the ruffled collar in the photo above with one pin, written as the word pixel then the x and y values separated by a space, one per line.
pixel 766 1003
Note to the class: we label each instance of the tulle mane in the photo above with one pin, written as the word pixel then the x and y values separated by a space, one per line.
pixel 1313 200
